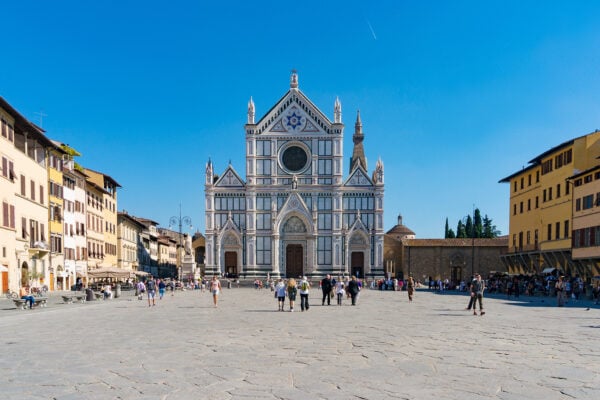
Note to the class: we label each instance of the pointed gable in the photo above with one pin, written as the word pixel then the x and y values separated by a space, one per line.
pixel 358 178
pixel 294 205
pixel 294 113
pixel 230 178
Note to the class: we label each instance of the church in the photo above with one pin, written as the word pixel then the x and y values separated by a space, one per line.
pixel 295 213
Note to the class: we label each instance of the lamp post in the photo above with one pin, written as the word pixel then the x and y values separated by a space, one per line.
pixel 180 221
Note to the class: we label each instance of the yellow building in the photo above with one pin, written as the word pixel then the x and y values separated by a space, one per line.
pixel 586 220
pixel 56 158
pixel 95 224
pixel 108 209
pixel 541 219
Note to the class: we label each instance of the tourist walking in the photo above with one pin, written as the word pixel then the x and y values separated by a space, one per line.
pixel 339 291
pixel 410 288
pixel 291 292
pixel 304 290
pixel 478 288
pixel 280 294
pixel 326 287
pixel 161 288
pixel 560 291
pixel 473 296
pixel 353 289
pixel 151 289
pixel 215 289
pixel 140 288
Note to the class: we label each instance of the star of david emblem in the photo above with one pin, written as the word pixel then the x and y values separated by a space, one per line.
pixel 294 120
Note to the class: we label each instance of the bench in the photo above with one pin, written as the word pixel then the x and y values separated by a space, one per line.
pixel 69 298
pixel 98 295
pixel 22 303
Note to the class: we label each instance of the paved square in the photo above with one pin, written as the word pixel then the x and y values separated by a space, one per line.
pixel 384 348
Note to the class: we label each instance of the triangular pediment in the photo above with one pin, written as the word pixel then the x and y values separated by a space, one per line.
pixel 358 177
pixel 230 178
pixel 294 206
pixel 294 114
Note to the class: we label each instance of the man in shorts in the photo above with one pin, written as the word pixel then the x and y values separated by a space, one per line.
pixel 151 289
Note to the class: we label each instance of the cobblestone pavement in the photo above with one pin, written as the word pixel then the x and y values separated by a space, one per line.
pixel 384 348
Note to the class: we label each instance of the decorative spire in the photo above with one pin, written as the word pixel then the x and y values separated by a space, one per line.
pixel 251 111
pixel 358 154
pixel 378 173
pixel 337 111
pixel 209 173
pixel 399 219
pixel 294 80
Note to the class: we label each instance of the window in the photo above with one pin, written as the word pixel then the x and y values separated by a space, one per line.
pixel 557 232
pixel 263 167
pixel 8 170
pixel 558 191
pixel 568 188
pixel 566 225
pixel 587 178
pixel 8 215
pixel 588 202
pixel 546 166
pixel 529 180
pixel 578 205
pixel 515 186
pixel 263 221
pixel 537 176
pixel 528 204
pixel 522 182
pixel 263 203
pixel 549 231
pixel 568 156
pixel 544 196
pixel 324 167
pixel 537 202
pixel 23 186
pixel 324 203
pixel 263 147
pixel 324 221
pixel 41 194
pixel 514 209
pixel 263 250
pixel 324 250
pixel 32 183
pixel 550 193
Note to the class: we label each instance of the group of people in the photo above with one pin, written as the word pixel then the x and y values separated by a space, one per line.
pixel 329 288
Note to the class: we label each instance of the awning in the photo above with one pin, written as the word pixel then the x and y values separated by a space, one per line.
pixel 548 270
pixel 3 268
pixel 108 272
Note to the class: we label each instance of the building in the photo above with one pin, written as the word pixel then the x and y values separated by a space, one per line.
pixel 75 242
pixel 56 159
pixel 24 257
pixel 541 208
pixel 129 232
pixel 148 251
pixel 295 213
pixel 586 222
pixel 453 259
pixel 108 210
pixel 199 248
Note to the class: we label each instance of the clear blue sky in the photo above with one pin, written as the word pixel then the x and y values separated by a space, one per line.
pixel 453 95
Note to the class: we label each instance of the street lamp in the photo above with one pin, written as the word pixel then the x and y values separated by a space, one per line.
pixel 180 221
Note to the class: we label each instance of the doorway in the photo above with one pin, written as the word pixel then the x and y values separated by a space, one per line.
pixel 293 261
pixel 231 264
pixel 456 275
pixel 357 264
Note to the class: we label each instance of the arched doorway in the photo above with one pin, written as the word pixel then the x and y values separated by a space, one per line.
pixel 294 256
pixel 357 264
pixel 231 267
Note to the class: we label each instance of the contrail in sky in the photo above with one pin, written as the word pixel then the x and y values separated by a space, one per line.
pixel 372 31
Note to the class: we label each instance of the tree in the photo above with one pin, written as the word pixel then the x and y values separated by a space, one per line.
pixel 489 229
pixel 478 232
pixel 448 233
pixel 469 227
pixel 473 226
pixel 461 232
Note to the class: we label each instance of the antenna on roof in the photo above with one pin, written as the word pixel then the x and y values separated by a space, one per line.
pixel 41 115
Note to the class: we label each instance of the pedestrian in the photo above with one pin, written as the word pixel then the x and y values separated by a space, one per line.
pixel 353 289
pixel 478 288
pixel 326 287
pixel 151 289
pixel 291 291
pixel 473 296
pixel 410 288
pixel 560 291
pixel 215 288
pixel 304 291
pixel 339 291
pixel 141 289
pixel 25 294
pixel 280 294
pixel 161 288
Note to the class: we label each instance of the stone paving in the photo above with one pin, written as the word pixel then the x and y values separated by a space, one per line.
pixel 384 348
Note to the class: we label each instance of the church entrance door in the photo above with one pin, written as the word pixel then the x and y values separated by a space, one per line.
pixel 293 260
pixel 358 264
pixel 231 264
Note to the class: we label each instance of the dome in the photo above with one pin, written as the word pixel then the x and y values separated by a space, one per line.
pixel 401 231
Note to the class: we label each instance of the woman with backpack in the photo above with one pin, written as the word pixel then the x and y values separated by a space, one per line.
pixel 291 291
pixel 304 288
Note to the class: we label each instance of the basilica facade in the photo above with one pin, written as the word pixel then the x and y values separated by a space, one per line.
pixel 295 213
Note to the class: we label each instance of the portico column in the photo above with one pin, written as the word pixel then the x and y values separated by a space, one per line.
pixel 275 261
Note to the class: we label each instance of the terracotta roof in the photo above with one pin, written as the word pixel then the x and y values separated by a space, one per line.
pixel 467 242
pixel 400 230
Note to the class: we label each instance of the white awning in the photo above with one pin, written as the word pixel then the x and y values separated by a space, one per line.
pixel 548 270
pixel 3 268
